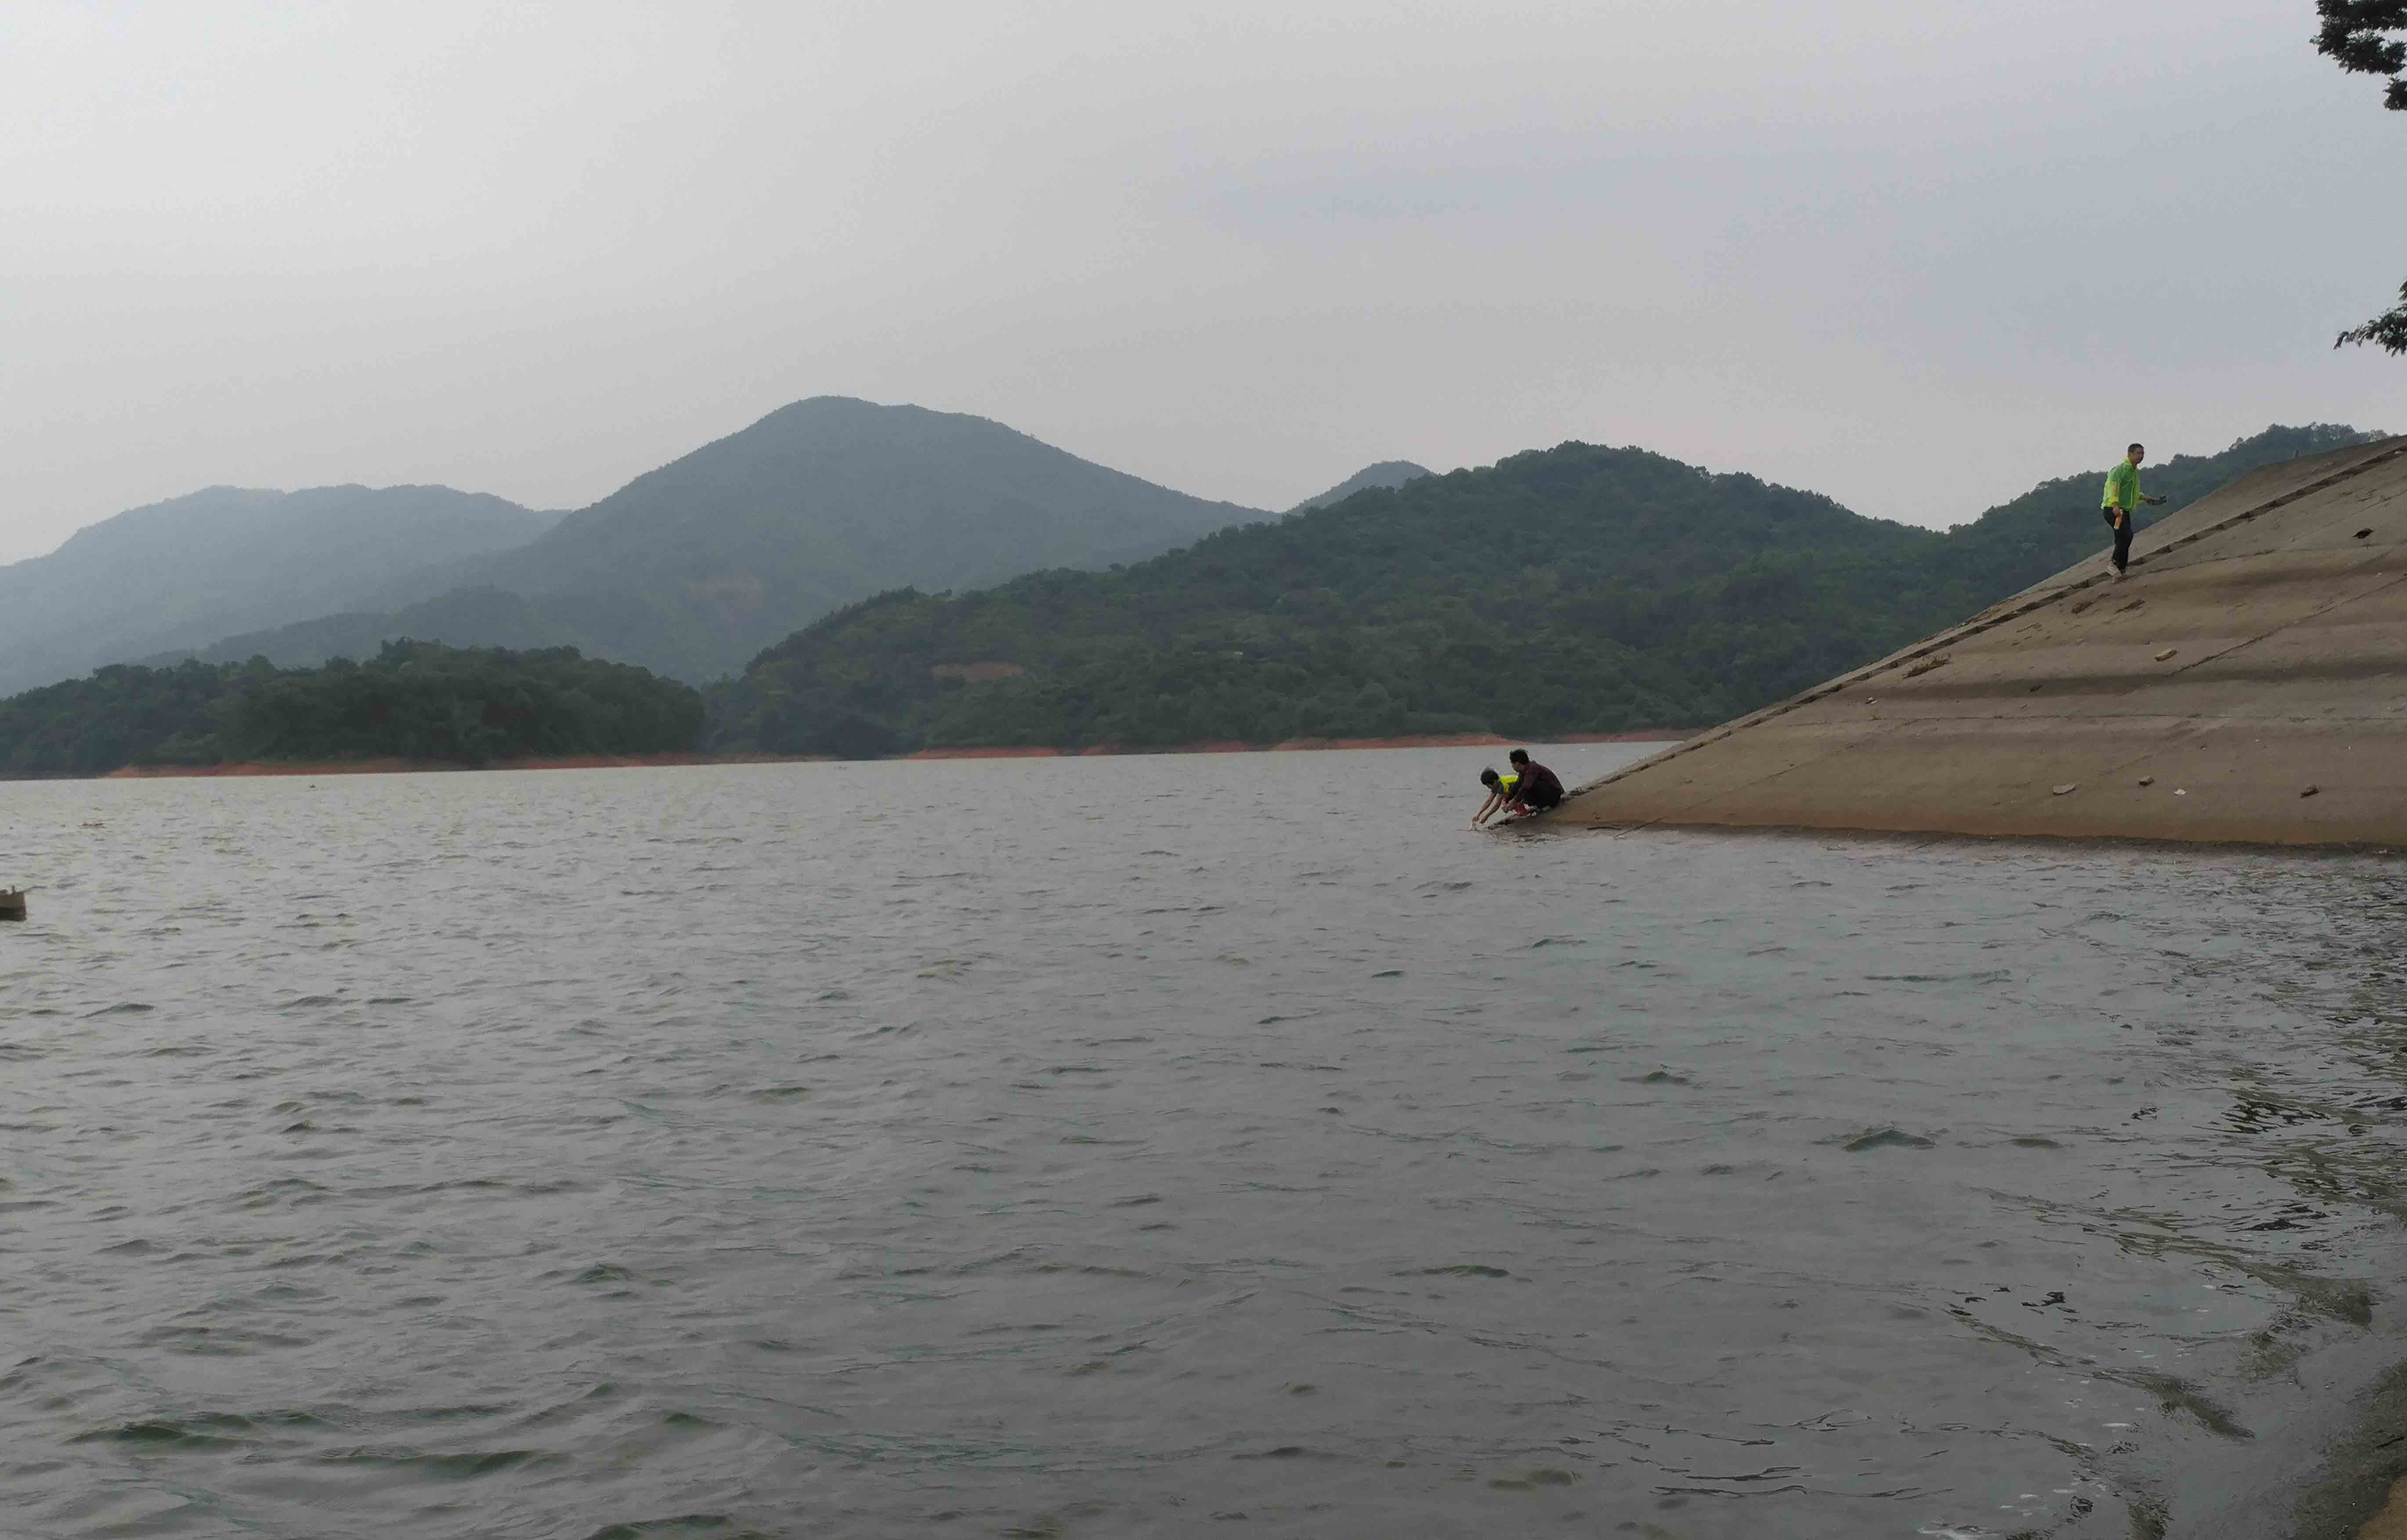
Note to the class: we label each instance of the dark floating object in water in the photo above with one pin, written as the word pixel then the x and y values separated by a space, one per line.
pixel 12 903
pixel 1887 1139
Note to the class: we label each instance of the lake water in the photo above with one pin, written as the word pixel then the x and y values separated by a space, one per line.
pixel 1214 1144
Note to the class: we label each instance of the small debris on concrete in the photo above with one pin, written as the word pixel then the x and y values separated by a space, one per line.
pixel 1926 664
pixel 2147 780
pixel 2068 786
pixel 2167 653
pixel 2363 533
pixel 2179 793
pixel 2311 790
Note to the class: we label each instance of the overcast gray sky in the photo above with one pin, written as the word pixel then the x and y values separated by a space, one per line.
pixel 1914 255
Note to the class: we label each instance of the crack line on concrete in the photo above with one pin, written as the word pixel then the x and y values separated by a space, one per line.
pixel 2302 620
pixel 1786 769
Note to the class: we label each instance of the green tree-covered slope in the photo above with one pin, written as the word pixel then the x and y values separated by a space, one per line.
pixel 414 700
pixel 617 625
pixel 1572 590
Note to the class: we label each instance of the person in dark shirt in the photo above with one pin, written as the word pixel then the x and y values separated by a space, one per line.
pixel 1540 788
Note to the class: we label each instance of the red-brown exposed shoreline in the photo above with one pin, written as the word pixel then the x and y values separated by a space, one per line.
pixel 1232 745
pixel 245 769
pixel 399 766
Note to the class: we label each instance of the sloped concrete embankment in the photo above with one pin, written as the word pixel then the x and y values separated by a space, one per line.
pixel 2248 682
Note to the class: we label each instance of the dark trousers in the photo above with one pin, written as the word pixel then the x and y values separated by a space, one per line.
pixel 2121 519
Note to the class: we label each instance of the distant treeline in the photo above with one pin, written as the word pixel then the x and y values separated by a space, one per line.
pixel 414 700
pixel 1572 590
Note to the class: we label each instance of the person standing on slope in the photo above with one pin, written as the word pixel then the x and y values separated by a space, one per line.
pixel 2122 496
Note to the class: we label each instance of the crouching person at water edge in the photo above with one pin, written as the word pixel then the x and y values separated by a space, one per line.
pixel 1541 788
pixel 1528 788
pixel 2122 497
pixel 1499 795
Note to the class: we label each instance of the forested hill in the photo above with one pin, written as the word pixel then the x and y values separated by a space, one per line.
pixel 694 567
pixel 1579 589
pixel 179 575
pixel 415 700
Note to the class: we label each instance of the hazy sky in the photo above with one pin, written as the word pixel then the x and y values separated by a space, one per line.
pixel 1915 256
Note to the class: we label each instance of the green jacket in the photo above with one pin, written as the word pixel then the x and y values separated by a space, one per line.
pixel 2122 487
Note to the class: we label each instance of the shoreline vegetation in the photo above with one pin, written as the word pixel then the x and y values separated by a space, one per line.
pixel 418 702
pixel 390 765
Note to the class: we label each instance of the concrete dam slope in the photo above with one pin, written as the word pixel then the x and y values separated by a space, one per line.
pixel 2246 682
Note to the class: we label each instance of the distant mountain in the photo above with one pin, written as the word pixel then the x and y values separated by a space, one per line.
pixel 1387 473
pixel 182 572
pixel 1637 592
pixel 692 568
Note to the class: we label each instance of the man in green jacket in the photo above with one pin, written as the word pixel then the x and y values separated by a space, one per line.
pixel 2122 496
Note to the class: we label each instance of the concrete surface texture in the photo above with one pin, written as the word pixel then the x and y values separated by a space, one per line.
pixel 2391 1523
pixel 2247 681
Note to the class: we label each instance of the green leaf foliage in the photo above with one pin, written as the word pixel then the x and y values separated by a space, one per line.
pixel 414 700
pixel 2370 37
pixel 1574 590
pixel 2386 331
pixel 2357 35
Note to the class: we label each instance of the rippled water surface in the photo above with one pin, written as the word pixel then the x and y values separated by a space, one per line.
pixel 1171 1146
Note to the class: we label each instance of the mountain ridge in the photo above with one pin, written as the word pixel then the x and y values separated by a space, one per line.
pixel 1380 475
pixel 695 566
pixel 184 571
